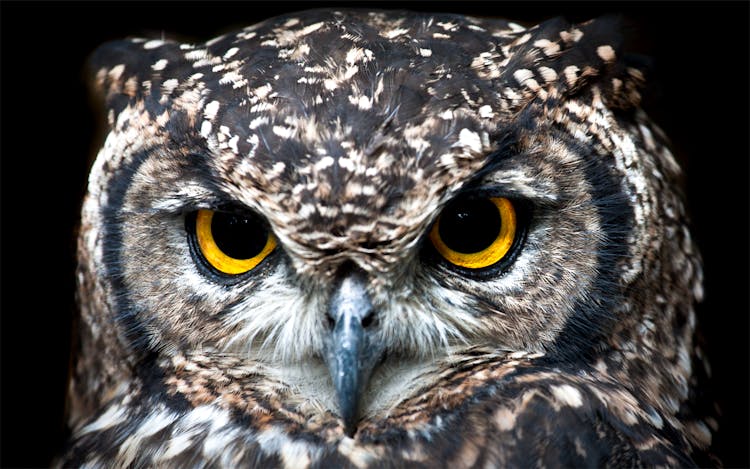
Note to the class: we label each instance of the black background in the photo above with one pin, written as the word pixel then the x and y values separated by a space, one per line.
pixel 49 135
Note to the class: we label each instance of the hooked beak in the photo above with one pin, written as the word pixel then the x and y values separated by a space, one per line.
pixel 352 350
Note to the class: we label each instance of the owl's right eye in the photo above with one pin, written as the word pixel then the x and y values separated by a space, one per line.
pixel 232 244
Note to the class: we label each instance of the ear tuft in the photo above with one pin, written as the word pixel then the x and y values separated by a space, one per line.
pixel 556 59
pixel 121 68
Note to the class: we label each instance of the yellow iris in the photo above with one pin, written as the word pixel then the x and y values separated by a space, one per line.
pixel 219 259
pixel 488 252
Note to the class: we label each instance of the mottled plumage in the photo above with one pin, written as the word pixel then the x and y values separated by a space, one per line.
pixel 348 133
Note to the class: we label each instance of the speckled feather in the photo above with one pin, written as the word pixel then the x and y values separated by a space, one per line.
pixel 348 131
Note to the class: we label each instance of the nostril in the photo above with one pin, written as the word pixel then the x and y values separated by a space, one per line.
pixel 369 319
pixel 330 321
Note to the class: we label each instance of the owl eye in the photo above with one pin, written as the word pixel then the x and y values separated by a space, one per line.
pixel 232 244
pixel 475 233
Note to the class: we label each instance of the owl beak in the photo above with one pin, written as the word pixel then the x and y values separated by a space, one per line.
pixel 352 351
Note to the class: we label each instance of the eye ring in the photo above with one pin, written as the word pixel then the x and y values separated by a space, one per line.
pixel 260 243
pixel 485 252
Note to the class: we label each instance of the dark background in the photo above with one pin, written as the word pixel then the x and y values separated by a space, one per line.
pixel 49 134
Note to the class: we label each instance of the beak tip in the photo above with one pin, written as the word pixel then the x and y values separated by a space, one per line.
pixel 350 429
pixel 348 406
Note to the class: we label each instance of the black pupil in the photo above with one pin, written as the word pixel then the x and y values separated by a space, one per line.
pixel 238 236
pixel 470 225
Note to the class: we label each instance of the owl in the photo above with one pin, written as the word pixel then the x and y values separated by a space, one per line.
pixel 384 239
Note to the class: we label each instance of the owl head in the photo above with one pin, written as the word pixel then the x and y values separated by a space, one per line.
pixel 346 198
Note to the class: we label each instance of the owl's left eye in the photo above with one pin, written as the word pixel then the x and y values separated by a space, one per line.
pixel 475 233
pixel 230 243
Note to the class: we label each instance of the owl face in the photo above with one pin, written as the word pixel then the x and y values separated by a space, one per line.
pixel 345 198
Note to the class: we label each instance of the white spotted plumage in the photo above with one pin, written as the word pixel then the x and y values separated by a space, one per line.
pixel 349 134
